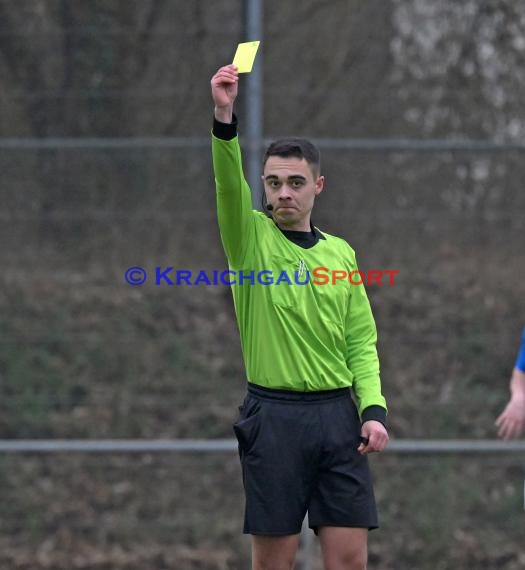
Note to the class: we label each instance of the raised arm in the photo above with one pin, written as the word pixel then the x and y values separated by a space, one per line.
pixel 234 200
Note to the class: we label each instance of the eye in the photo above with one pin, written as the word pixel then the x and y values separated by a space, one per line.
pixel 273 183
pixel 297 183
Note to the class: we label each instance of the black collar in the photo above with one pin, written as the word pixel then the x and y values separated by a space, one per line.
pixel 306 240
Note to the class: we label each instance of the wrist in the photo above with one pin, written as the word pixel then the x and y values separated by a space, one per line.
pixel 224 114
pixel 517 385
pixel 517 397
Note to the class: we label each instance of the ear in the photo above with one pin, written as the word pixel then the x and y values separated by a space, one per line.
pixel 319 185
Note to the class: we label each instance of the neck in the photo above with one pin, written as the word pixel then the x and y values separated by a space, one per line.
pixel 303 226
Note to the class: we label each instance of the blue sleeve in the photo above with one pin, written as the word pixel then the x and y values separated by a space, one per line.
pixel 520 362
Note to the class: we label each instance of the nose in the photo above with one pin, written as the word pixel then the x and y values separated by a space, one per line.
pixel 285 193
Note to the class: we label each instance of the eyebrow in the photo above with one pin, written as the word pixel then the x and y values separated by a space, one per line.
pixel 292 177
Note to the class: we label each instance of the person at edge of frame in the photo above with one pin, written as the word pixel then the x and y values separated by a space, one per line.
pixel 303 442
pixel 511 422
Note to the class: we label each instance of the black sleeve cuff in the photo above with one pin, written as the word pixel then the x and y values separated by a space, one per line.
pixel 225 131
pixel 376 413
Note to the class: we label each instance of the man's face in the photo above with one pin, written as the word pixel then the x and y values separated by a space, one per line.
pixel 291 188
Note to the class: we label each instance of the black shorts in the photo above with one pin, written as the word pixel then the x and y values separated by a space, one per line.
pixel 299 455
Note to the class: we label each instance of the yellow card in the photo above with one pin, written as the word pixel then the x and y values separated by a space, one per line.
pixel 245 56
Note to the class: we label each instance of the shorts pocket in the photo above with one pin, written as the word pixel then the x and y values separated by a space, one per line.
pixel 354 421
pixel 247 427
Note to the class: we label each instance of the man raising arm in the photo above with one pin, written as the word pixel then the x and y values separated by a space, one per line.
pixel 303 442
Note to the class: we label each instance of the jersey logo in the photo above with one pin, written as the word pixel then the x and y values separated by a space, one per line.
pixel 302 267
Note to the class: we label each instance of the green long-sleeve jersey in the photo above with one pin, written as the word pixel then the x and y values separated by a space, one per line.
pixel 303 337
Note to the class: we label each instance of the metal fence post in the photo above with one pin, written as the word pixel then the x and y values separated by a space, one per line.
pixel 254 101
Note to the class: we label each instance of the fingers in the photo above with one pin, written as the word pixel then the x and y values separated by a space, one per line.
pixel 227 74
pixel 509 427
pixel 373 442
pixel 374 437
pixel 229 68
pixel 511 423
pixel 507 430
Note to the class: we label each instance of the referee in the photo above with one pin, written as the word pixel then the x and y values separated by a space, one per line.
pixel 303 442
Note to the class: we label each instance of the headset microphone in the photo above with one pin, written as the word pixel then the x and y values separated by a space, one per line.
pixel 269 207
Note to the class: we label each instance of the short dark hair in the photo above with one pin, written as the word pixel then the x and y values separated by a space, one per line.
pixel 298 148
